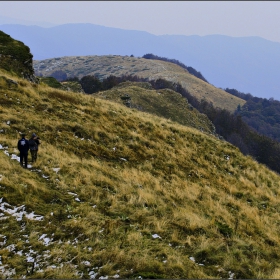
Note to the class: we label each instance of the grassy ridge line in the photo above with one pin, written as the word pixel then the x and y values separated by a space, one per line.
pixel 104 66
pixel 135 175
pixel 164 103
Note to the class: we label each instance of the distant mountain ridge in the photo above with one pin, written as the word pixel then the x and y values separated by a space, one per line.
pixel 106 65
pixel 248 64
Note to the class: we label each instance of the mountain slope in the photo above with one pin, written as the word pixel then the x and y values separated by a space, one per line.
pixel 16 57
pixel 248 64
pixel 103 66
pixel 164 103
pixel 121 193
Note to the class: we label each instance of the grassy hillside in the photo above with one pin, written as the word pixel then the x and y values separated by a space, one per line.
pixel 103 66
pixel 120 193
pixel 165 103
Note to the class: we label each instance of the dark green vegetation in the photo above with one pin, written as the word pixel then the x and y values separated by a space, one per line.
pixel 66 85
pixel 16 57
pixel 260 113
pixel 236 131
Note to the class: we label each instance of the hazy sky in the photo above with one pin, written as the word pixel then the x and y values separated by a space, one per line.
pixel 232 18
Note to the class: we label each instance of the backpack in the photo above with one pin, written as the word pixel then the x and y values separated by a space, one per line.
pixel 32 144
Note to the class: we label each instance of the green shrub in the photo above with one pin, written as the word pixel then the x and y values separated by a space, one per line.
pixel 224 229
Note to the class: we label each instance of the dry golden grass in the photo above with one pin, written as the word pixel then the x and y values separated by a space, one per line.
pixel 124 176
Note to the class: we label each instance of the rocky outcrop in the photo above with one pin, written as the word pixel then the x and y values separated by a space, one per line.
pixel 16 58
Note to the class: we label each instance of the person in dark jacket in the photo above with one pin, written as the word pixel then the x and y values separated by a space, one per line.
pixel 23 147
pixel 33 146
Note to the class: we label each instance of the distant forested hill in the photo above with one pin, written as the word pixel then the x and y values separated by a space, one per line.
pixel 261 114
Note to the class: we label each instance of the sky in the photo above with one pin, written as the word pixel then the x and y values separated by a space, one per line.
pixel 231 18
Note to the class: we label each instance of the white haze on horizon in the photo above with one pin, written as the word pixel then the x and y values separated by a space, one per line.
pixel 231 18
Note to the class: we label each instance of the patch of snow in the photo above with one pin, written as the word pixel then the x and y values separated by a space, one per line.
pixel 231 275
pixel 227 157
pixel 192 259
pixel 123 159
pixel 156 236
pixel 87 263
pixel 75 241
pixel 15 157
pixel 11 247
pixel 46 240
pixel 3 242
pixel 19 253
pixel 77 199
pixel 56 170
pixel 103 277
pixel 18 212
pixel 30 259
pixel 36 170
pixel 32 216
pixel 6 273
pixel 92 274
pixel 71 193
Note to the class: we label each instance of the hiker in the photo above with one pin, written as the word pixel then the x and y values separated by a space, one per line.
pixel 33 145
pixel 23 147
